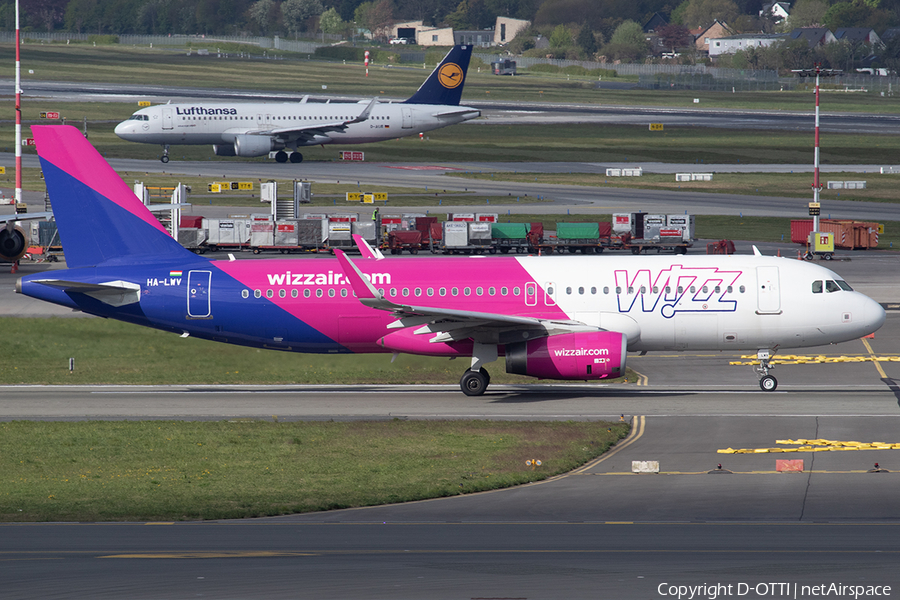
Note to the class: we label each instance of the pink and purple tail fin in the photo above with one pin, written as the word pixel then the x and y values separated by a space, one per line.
pixel 99 218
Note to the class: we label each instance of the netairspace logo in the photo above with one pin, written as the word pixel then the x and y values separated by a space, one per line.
pixel 796 591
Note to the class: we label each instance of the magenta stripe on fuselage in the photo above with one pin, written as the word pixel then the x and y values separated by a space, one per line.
pixel 67 149
pixel 326 284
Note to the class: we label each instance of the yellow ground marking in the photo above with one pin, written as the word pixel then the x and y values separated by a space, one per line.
pixel 642 379
pixel 219 554
pixel 637 430
pixel 804 445
pixel 792 359
pixel 872 354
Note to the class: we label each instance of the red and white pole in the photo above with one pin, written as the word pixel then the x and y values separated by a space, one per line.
pixel 367 63
pixel 816 186
pixel 18 116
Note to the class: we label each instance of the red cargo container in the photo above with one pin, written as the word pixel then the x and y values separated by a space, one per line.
pixel 191 222
pixel 398 241
pixel 848 235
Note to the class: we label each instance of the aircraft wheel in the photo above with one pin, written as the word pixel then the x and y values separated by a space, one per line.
pixel 164 159
pixel 281 156
pixel 768 383
pixel 296 157
pixel 474 383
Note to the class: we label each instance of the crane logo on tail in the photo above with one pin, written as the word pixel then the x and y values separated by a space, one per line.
pixel 451 76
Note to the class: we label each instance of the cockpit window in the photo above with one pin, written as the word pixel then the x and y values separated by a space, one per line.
pixel 844 285
pixel 817 287
pixel 138 118
pixel 831 286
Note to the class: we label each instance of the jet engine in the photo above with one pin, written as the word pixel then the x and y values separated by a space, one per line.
pixel 13 243
pixel 592 355
pixel 224 150
pixel 253 145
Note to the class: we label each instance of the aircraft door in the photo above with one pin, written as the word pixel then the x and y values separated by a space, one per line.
pixel 407 114
pixel 168 119
pixel 198 302
pixel 768 292
pixel 262 121
pixel 549 293
pixel 531 294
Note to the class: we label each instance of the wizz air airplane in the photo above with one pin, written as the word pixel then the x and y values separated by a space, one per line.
pixel 256 129
pixel 551 317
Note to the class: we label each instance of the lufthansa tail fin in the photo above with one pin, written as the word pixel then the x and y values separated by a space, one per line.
pixel 445 84
pixel 99 218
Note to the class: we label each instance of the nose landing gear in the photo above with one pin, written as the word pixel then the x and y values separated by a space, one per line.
pixel 165 157
pixel 767 383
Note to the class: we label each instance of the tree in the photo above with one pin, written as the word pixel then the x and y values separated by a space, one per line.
pixel 297 12
pixel 263 14
pixel 586 40
pixel 703 13
pixel 331 22
pixel 674 36
pixel 561 37
pixel 628 42
pixel 806 13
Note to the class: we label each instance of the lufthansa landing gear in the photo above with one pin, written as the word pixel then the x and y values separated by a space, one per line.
pixel 165 157
pixel 767 383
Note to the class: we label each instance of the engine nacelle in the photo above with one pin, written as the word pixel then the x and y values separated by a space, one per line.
pixel 13 243
pixel 592 355
pixel 224 150
pixel 253 145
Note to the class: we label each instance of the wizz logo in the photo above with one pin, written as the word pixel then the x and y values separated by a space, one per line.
pixel 677 289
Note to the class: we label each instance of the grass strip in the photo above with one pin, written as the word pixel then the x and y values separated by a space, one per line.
pixel 112 352
pixel 120 63
pixel 177 470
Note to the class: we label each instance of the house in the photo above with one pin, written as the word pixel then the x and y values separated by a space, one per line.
pixel 814 36
pixel 504 31
pixel 657 20
pixel 731 44
pixel 858 35
pixel 478 37
pixel 507 29
pixel 779 11
pixel 715 31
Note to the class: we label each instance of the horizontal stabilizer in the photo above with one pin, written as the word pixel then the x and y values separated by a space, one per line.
pixel 114 293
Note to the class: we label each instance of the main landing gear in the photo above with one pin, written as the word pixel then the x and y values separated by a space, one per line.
pixel 474 383
pixel 282 157
pixel 767 383
pixel 476 379
pixel 165 157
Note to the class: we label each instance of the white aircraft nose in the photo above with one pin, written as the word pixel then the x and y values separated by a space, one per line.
pixel 124 129
pixel 873 316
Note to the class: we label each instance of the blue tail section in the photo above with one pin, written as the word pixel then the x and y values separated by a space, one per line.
pixel 99 218
pixel 445 84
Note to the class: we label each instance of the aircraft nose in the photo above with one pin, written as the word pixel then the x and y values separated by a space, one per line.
pixel 873 316
pixel 124 129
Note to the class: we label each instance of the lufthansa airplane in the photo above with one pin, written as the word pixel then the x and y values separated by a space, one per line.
pixel 552 317
pixel 256 129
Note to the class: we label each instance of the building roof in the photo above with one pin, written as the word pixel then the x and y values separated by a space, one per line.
pixel 814 36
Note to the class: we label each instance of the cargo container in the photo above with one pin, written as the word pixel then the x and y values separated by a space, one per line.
pixel 398 241
pixel 510 236
pixel 848 235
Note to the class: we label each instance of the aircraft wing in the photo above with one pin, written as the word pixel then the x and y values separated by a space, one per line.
pixel 457 111
pixel 453 325
pixel 25 217
pixel 321 128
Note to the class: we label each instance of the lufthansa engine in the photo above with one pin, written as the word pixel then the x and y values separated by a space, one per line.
pixel 592 355
pixel 253 145
pixel 13 243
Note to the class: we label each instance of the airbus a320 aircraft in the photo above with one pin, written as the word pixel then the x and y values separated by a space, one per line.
pixel 567 318
pixel 256 129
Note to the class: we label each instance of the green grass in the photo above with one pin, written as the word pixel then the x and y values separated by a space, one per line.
pixel 112 352
pixel 163 66
pixel 167 471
